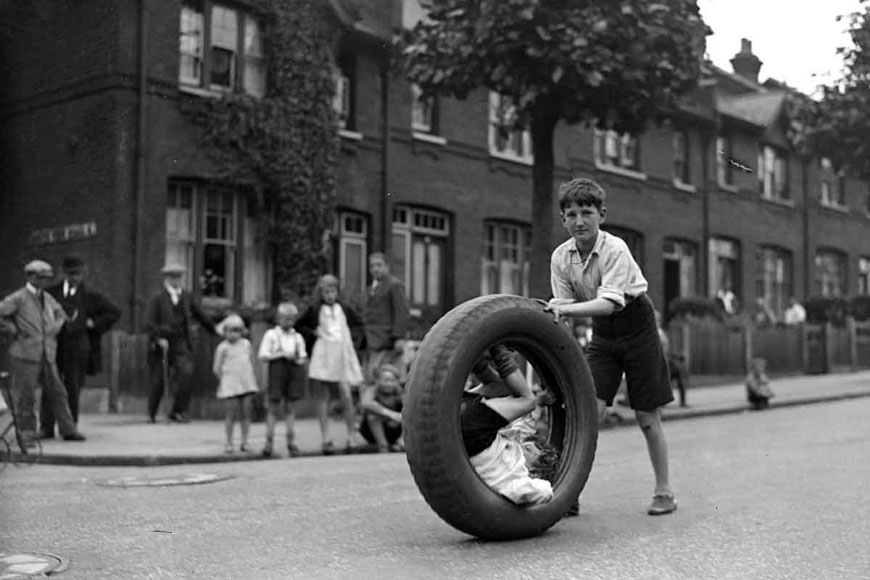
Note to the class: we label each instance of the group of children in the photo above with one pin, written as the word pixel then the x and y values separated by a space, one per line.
pixel 315 354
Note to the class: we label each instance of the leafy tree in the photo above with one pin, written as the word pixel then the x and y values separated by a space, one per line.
pixel 284 145
pixel 837 124
pixel 615 64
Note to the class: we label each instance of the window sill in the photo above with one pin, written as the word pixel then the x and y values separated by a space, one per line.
pixel 780 202
pixel 350 135
pixel 429 138
pixel 631 173
pixel 730 188
pixel 199 91
pixel 512 158
pixel 687 187
pixel 835 207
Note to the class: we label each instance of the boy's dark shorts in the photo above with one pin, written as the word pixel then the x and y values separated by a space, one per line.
pixel 392 431
pixel 479 424
pixel 628 342
pixel 287 381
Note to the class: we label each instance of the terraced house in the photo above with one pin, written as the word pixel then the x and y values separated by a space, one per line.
pixel 95 149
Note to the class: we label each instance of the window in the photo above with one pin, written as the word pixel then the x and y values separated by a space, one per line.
pixel 773 173
pixel 681 158
pixel 830 275
pixel 724 154
pixel 353 230
pixel 343 100
pixel 419 251
pixel 724 262
pixel 681 266
pixel 202 232
pixel 615 150
pixel 833 185
pixel 505 260
pixel 774 277
pixel 633 239
pixel 220 48
pixel 504 139
pixel 424 112
pixel 864 275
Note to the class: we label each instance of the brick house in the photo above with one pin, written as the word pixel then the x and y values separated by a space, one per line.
pixel 99 159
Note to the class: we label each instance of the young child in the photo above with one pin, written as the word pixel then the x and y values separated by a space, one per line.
pixel 234 368
pixel 502 397
pixel 381 404
pixel 283 350
pixel 327 325
pixel 594 274
pixel 758 391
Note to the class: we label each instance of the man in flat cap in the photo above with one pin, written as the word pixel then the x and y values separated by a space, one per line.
pixel 167 320
pixel 89 315
pixel 37 318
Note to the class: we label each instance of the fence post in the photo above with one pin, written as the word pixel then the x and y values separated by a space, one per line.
pixel 685 351
pixel 114 370
pixel 748 327
pixel 827 334
pixel 805 347
pixel 853 342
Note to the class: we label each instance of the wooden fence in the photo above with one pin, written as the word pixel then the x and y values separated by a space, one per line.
pixel 713 348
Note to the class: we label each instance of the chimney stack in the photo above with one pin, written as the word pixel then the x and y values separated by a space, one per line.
pixel 745 63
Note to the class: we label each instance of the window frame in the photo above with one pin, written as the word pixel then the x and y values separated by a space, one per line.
pixel 773 173
pixel 714 256
pixel 841 260
pixel 427 109
pixel 682 168
pixel 618 153
pixel 508 150
pixel 724 167
pixel 241 60
pixel 347 237
pixel 834 195
pixel 421 224
pixel 863 271
pixel 782 260
pixel 498 227
pixel 679 254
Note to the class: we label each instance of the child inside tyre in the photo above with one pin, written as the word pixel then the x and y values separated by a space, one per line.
pixel 502 396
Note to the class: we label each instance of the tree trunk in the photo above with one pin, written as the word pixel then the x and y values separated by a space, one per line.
pixel 544 210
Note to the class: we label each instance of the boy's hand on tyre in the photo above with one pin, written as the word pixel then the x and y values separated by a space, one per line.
pixel 546 398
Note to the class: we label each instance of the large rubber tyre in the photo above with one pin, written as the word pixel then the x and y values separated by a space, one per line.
pixel 435 451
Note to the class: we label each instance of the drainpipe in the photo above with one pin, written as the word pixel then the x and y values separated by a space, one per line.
pixel 139 191
pixel 705 209
pixel 386 196
pixel 805 178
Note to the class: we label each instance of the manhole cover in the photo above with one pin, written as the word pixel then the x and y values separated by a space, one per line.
pixel 28 564
pixel 190 479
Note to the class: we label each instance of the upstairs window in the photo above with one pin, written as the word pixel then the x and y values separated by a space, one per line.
pixel 832 185
pixel 830 274
pixel 773 278
pixel 615 150
pixel 724 154
pixel 424 112
pixel 505 260
pixel 681 158
pixel 864 275
pixel 343 99
pixel 220 49
pixel 505 140
pixel 773 173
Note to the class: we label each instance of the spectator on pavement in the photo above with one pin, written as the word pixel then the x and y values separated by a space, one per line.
pixel 283 350
pixel 795 313
pixel 676 362
pixel 381 404
pixel 758 391
pixel 234 368
pixel 37 319
pixel 168 317
pixel 327 326
pixel 726 298
pixel 386 317
pixel 79 352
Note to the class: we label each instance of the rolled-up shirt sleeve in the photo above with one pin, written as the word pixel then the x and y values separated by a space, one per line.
pixel 560 281
pixel 616 269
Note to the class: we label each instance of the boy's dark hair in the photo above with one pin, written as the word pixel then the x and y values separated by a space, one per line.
pixel 582 191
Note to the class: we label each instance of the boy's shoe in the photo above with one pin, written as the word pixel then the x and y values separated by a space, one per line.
pixel 74 437
pixel 267 449
pixel 662 504
pixel 573 509
pixel 293 450
pixel 328 448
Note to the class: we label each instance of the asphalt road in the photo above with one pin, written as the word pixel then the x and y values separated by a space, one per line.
pixel 773 495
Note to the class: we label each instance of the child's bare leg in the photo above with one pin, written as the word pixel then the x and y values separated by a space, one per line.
pixel 229 420
pixel 321 406
pixel 651 426
pixel 376 426
pixel 270 427
pixel 347 409
pixel 245 404
pixel 290 423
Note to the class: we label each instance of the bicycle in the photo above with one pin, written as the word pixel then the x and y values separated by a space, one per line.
pixel 9 432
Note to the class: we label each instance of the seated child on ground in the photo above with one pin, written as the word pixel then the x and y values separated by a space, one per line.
pixel 758 391
pixel 502 397
pixel 381 404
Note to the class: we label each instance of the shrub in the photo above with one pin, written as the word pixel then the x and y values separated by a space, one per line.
pixel 822 309
pixel 695 306
pixel 859 307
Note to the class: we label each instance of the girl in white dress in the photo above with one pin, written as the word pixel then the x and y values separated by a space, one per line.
pixel 327 324
pixel 234 368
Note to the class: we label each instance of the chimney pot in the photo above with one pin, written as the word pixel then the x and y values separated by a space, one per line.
pixel 745 63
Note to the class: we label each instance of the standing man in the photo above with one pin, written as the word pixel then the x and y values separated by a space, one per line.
pixel 89 315
pixel 167 321
pixel 594 274
pixel 37 318
pixel 386 317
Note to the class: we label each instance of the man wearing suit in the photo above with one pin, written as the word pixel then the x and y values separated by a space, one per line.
pixel 386 317
pixel 89 315
pixel 167 321
pixel 37 318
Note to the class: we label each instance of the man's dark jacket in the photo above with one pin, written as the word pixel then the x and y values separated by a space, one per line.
pixel 160 319
pixel 89 304
pixel 386 314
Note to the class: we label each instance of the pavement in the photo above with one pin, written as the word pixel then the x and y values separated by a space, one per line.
pixel 130 440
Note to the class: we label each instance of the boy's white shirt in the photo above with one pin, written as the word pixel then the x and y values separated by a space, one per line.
pixel 277 340
pixel 502 466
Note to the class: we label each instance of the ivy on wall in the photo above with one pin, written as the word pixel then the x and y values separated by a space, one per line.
pixel 284 145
